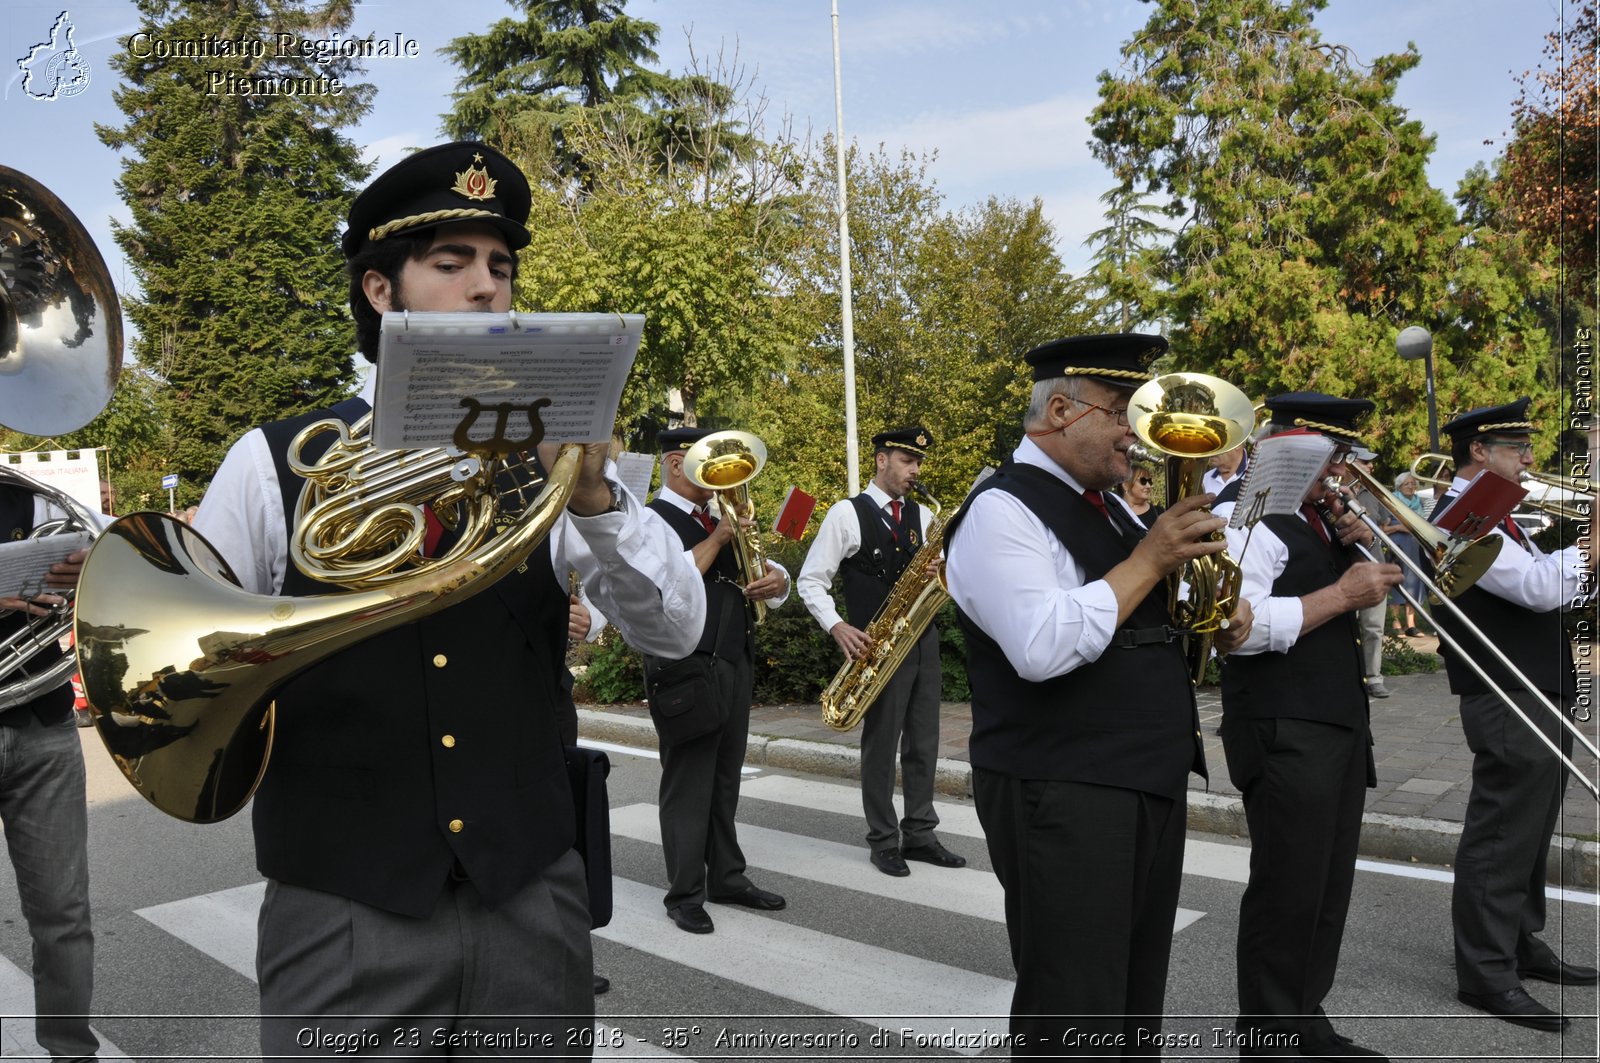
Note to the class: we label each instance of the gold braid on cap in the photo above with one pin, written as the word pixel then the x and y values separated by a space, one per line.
pixel 432 217
pixel 1301 422
pixel 1506 426
pixel 1118 374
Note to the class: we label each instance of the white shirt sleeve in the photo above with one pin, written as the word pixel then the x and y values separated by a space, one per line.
pixel 242 516
pixel 1537 581
pixel 1018 583
pixel 839 537
pixel 1262 557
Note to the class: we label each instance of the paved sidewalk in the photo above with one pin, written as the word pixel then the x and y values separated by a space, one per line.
pixel 1415 813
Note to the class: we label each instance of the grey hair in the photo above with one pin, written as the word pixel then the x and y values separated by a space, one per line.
pixel 1043 391
pixel 1399 481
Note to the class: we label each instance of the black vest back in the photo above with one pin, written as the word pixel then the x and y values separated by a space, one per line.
pixel 427 747
pixel 1320 676
pixel 1537 643
pixel 729 632
pixel 1127 719
pixel 16 524
pixel 871 572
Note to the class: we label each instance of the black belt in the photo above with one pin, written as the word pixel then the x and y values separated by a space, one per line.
pixel 1132 637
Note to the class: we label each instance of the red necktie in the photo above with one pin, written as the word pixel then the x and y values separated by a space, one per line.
pixel 1515 533
pixel 1314 519
pixel 432 532
pixel 1097 500
pixel 894 510
pixel 705 520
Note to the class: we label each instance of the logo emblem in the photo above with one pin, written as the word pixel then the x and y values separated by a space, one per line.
pixel 474 182
pixel 54 69
pixel 922 440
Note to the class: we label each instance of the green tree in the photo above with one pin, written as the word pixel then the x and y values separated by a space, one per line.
pixel 238 179
pixel 1127 250
pixel 1307 231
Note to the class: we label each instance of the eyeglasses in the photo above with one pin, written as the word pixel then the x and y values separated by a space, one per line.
pixel 1524 450
pixel 1121 415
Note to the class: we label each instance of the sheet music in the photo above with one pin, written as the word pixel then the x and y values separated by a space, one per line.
pixel 23 564
pixel 528 378
pixel 1283 468
pixel 634 472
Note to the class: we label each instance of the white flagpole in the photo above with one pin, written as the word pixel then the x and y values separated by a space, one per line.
pixel 851 445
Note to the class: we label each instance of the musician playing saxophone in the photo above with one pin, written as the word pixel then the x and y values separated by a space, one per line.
pixel 869 540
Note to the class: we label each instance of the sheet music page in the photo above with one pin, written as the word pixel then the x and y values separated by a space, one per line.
pixel 1282 469
pixel 23 564
pixel 524 378
pixel 634 472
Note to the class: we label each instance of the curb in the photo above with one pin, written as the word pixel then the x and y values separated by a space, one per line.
pixel 1573 863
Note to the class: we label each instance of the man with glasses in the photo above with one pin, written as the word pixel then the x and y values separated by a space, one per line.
pixel 1296 735
pixel 1084 728
pixel 1497 903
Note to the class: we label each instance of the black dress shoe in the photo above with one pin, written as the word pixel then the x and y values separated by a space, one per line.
pixel 1338 1046
pixel 752 897
pixel 934 853
pixel 890 862
pixel 691 917
pixel 601 984
pixel 1515 1006
pixel 1554 969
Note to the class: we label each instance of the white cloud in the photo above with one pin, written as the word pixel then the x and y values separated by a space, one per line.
pixel 982 147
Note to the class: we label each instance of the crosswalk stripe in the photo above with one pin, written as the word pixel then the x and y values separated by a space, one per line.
pixel 964 891
pixel 16 1031
pixel 882 987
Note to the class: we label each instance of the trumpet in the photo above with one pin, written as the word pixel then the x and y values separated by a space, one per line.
pixel 725 463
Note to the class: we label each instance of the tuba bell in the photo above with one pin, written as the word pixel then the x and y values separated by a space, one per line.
pixel 60 353
pixel 1189 417
pixel 725 463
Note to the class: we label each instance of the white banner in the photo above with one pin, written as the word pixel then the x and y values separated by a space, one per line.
pixel 72 472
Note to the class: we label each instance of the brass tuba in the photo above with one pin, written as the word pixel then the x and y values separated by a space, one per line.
pixel 60 352
pixel 1189 417
pixel 180 663
pixel 725 463
pixel 917 597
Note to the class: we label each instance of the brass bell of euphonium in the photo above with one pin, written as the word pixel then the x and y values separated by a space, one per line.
pixel 724 463
pixel 1188 418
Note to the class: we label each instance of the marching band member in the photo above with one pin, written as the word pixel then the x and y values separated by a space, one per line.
pixel 1497 903
pixel 1296 735
pixel 1084 728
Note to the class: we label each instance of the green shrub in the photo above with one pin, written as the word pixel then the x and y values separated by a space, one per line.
pixel 1399 658
pixel 612 671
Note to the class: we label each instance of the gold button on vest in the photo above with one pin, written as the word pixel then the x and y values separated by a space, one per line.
pixel 456 826
pixel 448 741
pixel 440 660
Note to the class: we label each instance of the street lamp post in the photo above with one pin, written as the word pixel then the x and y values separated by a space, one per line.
pixel 1416 342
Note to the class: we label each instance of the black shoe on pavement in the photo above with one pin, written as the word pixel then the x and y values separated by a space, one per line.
pixel 1338 1046
pixel 691 917
pixel 753 897
pixel 934 853
pixel 1377 690
pixel 84 716
pixel 890 862
pixel 1554 969
pixel 1515 1006
pixel 601 984
pixel 1413 633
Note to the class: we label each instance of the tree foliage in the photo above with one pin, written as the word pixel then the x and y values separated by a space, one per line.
pixel 237 197
pixel 1307 233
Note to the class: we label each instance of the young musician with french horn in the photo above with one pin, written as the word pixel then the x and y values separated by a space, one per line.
pixel 1297 738
pixel 416 801
pixel 700 703
pixel 1084 728
pixel 1497 902
pixel 869 540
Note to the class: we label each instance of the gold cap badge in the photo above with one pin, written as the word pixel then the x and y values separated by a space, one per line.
pixel 474 182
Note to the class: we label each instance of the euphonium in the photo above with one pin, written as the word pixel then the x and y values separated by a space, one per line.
pixel 725 463
pixel 1188 417
pixel 917 596
pixel 180 663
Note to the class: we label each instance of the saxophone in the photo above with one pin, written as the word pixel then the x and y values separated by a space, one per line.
pixel 897 627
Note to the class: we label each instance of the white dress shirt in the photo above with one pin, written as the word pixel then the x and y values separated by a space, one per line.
pixel 631 562
pixel 1018 583
pixel 672 498
pixel 1531 578
pixel 838 538
pixel 1276 622
pixel 1213 481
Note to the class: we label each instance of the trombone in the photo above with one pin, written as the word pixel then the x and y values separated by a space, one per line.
pixel 725 463
pixel 1575 503
pixel 1468 566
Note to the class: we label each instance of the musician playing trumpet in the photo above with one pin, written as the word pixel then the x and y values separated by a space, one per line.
pixel 1497 902
pixel 1297 739
pixel 869 540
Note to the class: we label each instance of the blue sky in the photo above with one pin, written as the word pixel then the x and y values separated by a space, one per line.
pixel 1001 91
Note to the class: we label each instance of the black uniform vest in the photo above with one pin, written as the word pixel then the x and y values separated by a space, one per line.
pixel 1536 642
pixel 16 524
pixel 1127 719
pixel 1320 676
pixel 871 572
pixel 729 632
pixel 428 748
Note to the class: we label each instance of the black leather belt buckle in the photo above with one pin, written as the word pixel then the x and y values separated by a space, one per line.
pixel 1131 638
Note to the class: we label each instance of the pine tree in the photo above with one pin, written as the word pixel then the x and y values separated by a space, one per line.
pixel 238 179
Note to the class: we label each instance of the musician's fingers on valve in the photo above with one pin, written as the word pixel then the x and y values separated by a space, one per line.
pixel 1183 533
pixel 770 585
pixel 852 640
pixel 1235 629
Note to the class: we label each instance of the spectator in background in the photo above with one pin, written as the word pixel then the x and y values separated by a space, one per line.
pixel 1137 490
pixel 1225 468
pixel 1402 614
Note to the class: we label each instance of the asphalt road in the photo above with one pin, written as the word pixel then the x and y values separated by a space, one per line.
pixel 858 965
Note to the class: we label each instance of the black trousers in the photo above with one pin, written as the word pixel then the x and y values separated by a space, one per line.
pixel 700 796
pixel 1304 785
pixel 1091 877
pixel 1497 904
